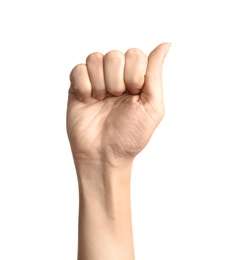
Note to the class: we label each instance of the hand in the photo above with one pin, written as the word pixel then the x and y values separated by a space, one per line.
pixel 115 103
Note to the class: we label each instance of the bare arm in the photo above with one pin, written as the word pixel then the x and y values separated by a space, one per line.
pixel 115 103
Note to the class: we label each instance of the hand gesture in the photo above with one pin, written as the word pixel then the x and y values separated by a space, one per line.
pixel 115 103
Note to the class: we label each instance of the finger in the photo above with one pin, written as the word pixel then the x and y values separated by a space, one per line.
pixel 95 69
pixel 135 70
pixel 80 82
pixel 114 72
pixel 153 87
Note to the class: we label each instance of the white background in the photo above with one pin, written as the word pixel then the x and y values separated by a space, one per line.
pixel 185 194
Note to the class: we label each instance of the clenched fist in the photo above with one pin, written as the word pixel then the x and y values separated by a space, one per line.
pixel 115 103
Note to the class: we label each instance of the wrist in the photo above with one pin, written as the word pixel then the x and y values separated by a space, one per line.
pixel 105 186
pixel 101 169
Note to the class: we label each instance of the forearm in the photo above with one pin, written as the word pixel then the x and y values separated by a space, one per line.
pixel 105 227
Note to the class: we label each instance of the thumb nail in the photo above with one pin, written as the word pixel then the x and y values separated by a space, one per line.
pixel 167 47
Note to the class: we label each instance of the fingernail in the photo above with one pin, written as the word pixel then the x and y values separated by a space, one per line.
pixel 167 48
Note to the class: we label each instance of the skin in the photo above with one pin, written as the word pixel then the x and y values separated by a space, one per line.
pixel 115 103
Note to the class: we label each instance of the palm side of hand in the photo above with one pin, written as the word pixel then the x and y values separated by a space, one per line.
pixel 114 128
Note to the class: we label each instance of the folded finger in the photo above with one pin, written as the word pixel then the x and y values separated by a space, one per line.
pixel 80 82
pixel 95 69
pixel 114 72
pixel 135 70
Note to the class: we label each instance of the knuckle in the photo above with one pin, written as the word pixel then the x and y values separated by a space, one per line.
pixel 78 69
pixel 134 53
pixel 114 56
pixel 94 58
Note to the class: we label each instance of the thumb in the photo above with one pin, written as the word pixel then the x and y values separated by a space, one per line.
pixel 153 87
